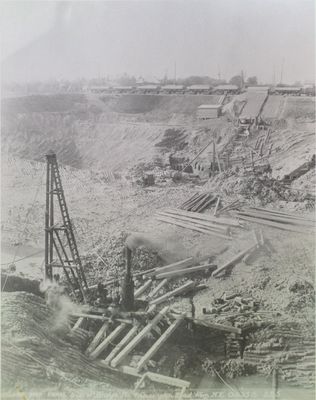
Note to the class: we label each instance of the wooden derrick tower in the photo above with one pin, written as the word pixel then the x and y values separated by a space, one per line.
pixel 61 251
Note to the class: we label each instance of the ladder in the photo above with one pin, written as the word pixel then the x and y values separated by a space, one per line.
pixel 67 254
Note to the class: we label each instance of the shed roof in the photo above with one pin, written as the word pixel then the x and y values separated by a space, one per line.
pixel 199 87
pixel 170 87
pixel 258 88
pixel 288 88
pixel 146 87
pixel 209 106
pixel 226 87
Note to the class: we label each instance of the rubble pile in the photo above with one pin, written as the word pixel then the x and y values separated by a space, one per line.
pixel 254 188
pixel 244 313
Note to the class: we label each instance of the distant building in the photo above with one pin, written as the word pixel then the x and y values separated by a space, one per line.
pixel 199 89
pixel 99 89
pixel 265 89
pixel 173 89
pixel 209 111
pixel 288 90
pixel 231 89
pixel 148 89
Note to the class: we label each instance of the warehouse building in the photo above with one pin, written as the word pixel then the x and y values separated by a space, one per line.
pixel 209 111
pixel 199 89
pixel 230 89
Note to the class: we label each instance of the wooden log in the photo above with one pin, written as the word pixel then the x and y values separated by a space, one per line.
pixel 280 214
pixel 157 288
pixel 143 288
pixel 276 218
pixel 101 317
pixel 97 339
pixel 134 342
pixel 204 217
pixel 217 204
pixel 107 341
pixel 184 288
pixel 234 260
pixel 232 204
pixel 177 265
pixel 194 201
pixel 185 271
pixel 213 325
pixel 189 200
pixel 278 225
pixel 191 227
pixel 206 224
pixel 205 205
pixel 154 377
pixel 126 339
pixel 156 346
pixel 78 324
pixel 203 198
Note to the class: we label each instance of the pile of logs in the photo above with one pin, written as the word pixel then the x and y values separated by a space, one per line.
pixel 242 312
pixel 199 202
pixel 277 219
pixel 216 226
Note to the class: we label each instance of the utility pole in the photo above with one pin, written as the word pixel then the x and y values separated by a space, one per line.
pixel 282 66
pixel 219 72
pixel 175 72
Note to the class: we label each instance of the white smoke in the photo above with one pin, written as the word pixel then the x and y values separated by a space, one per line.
pixel 63 307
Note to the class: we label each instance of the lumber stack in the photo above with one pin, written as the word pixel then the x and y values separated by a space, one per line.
pixel 277 219
pixel 201 223
pixel 199 202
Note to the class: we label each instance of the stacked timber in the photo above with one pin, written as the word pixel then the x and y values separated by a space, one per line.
pixel 278 219
pixel 199 202
pixel 208 224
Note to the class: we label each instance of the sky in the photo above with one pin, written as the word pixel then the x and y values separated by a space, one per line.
pixel 69 40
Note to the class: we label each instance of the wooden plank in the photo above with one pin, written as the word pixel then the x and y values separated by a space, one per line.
pixel 97 339
pixel 191 227
pixel 143 288
pixel 277 225
pixel 129 336
pixel 156 346
pixel 211 218
pixel 157 288
pixel 201 223
pixel 185 271
pixel 184 288
pixel 103 345
pixel 234 260
pixel 138 338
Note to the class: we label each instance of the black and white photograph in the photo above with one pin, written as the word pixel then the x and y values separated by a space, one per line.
pixel 158 189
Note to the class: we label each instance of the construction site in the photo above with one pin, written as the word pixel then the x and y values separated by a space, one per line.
pixel 153 247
